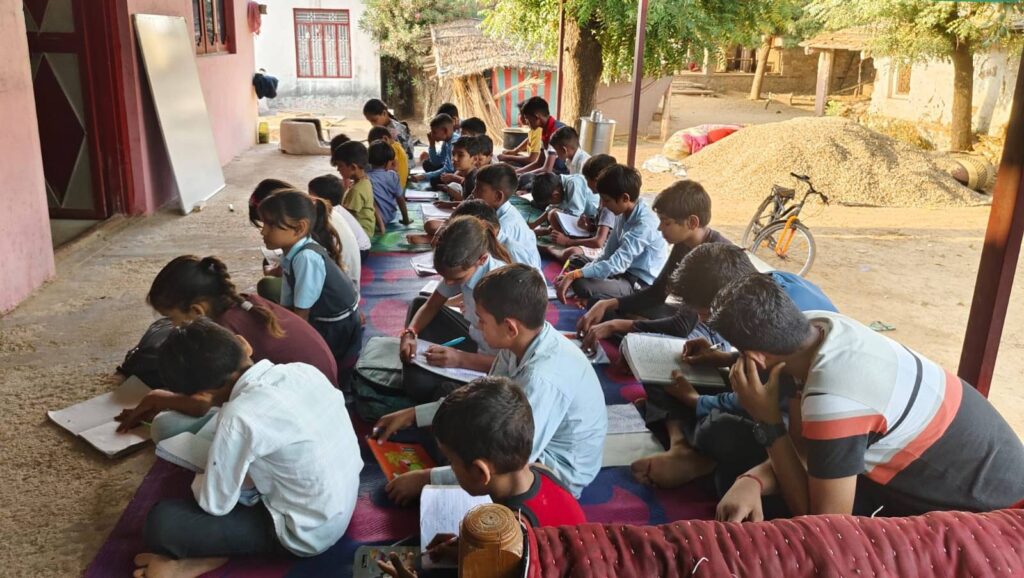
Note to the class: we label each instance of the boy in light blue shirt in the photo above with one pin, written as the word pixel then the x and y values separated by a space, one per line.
pixel 495 185
pixel 570 418
pixel 439 163
pixel 635 252
pixel 562 194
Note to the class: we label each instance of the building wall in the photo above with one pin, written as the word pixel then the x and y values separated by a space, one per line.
pixel 24 226
pixel 931 91
pixel 275 52
pixel 226 80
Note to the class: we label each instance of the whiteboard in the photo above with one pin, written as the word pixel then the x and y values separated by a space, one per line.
pixel 170 64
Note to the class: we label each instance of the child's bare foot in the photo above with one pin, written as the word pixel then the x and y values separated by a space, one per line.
pixel 417 239
pixel 673 468
pixel 156 566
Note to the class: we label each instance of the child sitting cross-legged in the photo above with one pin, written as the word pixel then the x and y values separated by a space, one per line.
pixel 485 430
pixel 283 431
pixel 315 287
pixel 599 227
pixel 561 194
pixel 401 159
pixel 570 418
pixel 465 250
pixel 388 195
pixel 635 253
pixel 464 152
pixel 189 288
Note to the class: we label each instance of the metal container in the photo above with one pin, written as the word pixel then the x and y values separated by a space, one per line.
pixel 513 137
pixel 597 133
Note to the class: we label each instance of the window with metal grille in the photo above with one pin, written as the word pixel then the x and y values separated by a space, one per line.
pixel 211 20
pixel 323 46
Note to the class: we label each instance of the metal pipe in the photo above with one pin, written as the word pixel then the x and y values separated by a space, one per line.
pixel 561 59
pixel 638 77
pixel 998 256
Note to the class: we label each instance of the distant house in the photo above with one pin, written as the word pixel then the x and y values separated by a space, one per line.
pixel 317 51
pixel 924 91
pixel 789 69
pixel 845 64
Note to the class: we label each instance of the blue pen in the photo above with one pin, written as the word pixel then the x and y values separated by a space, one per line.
pixel 453 342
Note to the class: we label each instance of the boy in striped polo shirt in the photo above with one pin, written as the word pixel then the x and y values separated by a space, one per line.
pixel 879 425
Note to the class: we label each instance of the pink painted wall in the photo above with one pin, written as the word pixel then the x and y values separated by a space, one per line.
pixel 227 87
pixel 27 260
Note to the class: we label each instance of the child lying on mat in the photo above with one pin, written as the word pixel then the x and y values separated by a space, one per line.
pixel 567 401
pixel 283 431
pixel 599 227
pixel 190 288
pixel 495 459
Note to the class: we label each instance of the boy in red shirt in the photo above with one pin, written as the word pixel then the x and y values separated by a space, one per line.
pixel 485 429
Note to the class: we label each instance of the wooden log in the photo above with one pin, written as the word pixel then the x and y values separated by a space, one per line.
pixel 490 543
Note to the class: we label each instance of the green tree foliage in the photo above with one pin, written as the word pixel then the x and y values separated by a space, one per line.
pixel 399 26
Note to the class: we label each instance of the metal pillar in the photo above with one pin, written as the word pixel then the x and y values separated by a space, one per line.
pixel 561 58
pixel 638 78
pixel 999 255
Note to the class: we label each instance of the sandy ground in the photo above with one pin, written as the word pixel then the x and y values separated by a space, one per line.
pixel 912 268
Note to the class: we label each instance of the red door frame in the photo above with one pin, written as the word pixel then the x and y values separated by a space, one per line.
pixel 97 42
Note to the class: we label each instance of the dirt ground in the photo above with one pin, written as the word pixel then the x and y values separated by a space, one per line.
pixel 912 268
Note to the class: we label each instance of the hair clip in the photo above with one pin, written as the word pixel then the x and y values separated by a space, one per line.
pixel 247 305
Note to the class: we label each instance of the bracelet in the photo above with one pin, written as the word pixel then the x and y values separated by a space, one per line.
pixel 760 484
pixel 409 331
pixel 574 275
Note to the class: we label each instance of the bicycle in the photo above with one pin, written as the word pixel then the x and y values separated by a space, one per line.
pixel 775 233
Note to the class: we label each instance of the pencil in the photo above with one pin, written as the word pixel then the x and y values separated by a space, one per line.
pixel 565 267
pixel 453 342
pixel 426 551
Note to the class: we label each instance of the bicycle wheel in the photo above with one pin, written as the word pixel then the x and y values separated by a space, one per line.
pixel 761 218
pixel 789 249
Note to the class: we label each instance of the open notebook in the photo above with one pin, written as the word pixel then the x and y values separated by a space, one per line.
pixel 186 450
pixel 570 225
pixel 423 264
pixel 93 419
pixel 653 358
pixel 431 212
pixel 452 373
pixel 442 509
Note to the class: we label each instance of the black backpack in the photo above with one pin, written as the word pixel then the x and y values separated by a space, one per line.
pixel 141 360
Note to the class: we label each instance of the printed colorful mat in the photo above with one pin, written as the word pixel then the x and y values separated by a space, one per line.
pixel 388 286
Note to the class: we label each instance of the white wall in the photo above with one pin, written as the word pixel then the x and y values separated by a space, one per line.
pixel 275 51
pixel 931 91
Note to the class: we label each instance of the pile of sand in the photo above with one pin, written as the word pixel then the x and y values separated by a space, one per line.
pixel 851 164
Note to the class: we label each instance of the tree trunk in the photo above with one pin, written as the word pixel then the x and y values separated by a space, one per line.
pixel 963 89
pixel 582 70
pixel 762 65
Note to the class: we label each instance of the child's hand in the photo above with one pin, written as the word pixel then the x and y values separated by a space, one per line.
pixel 407 348
pixel 699 352
pixel 592 317
pixel 392 422
pixel 407 487
pixel 443 356
pixel 398 568
pixel 761 401
pixel 742 503
pixel 559 238
pixel 601 331
pixel 562 284
pixel 448 178
pixel 444 548
pixel 272 270
pixel 584 222
pixel 417 178
pixel 154 402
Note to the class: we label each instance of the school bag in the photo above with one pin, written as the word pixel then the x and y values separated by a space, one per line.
pixel 377 381
pixel 141 360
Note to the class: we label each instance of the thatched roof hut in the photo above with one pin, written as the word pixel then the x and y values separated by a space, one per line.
pixel 460 60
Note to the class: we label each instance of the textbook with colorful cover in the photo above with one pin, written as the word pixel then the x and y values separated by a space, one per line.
pixel 653 358
pixel 396 458
pixel 93 419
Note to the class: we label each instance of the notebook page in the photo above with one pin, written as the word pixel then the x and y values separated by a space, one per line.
pixel 570 225
pixel 442 509
pixel 102 408
pixel 452 373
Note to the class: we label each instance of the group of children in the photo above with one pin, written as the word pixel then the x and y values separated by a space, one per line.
pixel 824 416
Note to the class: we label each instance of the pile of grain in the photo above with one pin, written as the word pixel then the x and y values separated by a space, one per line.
pixel 853 165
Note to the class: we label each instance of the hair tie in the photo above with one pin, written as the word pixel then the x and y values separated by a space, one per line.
pixel 247 305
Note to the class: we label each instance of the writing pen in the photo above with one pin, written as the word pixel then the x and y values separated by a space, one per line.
pixel 427 551
pixel 453 342
pixel 565 267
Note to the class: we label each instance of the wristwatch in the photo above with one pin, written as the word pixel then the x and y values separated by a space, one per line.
pixel 766 433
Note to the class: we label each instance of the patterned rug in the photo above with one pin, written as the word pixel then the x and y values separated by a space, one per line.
pixel 388 285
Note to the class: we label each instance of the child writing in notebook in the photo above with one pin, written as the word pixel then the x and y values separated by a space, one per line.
pixel 283 430
pixel 495 185
pixel 351 159
pixel 189 288
pixel 562 196
pixel 464 151
pixel 635 253
pixel 465 250
pixel 401 159
pixel 530 145
pixel 315 288
pixel 570 418
pixel 599 228
pixel 377 114
pixel 481 210
pixel 331 188
pixel 485 429
pixel 388 195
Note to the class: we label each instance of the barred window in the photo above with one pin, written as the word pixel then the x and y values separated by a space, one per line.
pixel 323 45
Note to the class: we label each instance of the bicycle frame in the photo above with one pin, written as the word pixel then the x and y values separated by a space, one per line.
pixel 791 215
